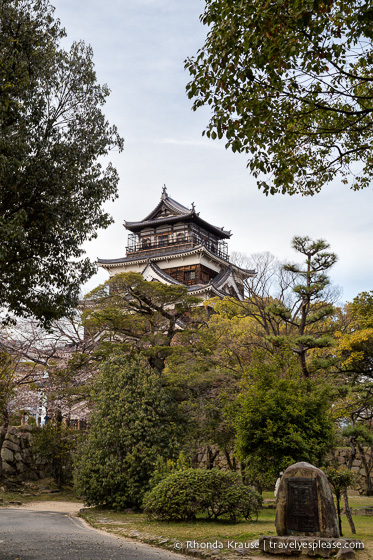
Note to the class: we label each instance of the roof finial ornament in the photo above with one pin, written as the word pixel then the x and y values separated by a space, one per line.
pixel 193 207
pixel 164 192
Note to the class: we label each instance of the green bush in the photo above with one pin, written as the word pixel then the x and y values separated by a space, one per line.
pixel 281 419
pixel 186 493
pixel 164 467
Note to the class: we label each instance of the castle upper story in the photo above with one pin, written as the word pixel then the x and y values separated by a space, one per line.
pixel 173 244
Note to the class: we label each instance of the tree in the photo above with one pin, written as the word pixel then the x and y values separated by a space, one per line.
pixel 360 436
pixel 281 418
pixel 56 363
pixel 294 303
pixel 55 443
pixel 6 388
pixel 17 373
pixel 355 350
pixel 287 309
pixel 306 315
pixel 290 84
pixel 341 480
pixel 52 132
pixel 205 371
pixel 355 344
pixel 133 422
pixel 272 282
pixel 135 315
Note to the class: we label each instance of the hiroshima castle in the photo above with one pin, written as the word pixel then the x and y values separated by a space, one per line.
pixel 174 245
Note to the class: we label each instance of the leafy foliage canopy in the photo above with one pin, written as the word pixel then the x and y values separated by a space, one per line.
pixel 290 84
pixel 52 186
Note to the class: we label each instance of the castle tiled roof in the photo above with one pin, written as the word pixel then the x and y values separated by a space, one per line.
pixel 171 204
pixel 172 253
pixel 162 253
pixel 173 212
pixel 214 285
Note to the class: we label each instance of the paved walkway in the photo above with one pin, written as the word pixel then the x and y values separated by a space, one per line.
pixel 33 534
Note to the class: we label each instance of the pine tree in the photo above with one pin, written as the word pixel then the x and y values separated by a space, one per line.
pixel 306 315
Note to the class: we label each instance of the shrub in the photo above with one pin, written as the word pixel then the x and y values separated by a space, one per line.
pixel 186 493
pixel 164 467
pixel 56 444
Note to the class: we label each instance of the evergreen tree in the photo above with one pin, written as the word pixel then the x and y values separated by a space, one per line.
pixel 133 422
pixel 305 317
pixel 281 418
pixel 138 316
pixel 52 187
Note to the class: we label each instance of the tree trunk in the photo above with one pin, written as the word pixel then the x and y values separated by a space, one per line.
pixel 211 456
pixel 348 513
pixel 369 485
pixel 303 364
pixel 353 452
pixel 5 426
pixel 367 469
pixel 338 497
pixel 3 432
pixel 231 461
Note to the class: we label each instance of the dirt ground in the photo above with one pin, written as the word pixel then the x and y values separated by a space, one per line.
pixel 71 508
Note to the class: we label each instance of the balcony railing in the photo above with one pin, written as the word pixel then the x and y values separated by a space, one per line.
pixel 163 243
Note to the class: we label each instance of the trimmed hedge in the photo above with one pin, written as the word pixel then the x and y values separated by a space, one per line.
pixel 185 494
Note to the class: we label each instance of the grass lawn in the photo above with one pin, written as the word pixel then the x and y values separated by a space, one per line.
pixel 42 490
pixel 174 536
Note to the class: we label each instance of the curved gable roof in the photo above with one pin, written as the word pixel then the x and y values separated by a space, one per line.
pixel 168 203
pixel 169 210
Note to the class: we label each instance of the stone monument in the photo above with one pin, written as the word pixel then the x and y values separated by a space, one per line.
pixel 306 520
pixel 305 504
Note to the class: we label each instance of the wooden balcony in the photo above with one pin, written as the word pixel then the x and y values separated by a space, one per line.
pixel 144 247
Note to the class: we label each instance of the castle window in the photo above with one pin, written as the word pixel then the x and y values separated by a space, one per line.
pixel 163 240
pixel 191 275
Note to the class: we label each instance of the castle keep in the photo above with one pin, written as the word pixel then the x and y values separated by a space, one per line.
pixel 174 245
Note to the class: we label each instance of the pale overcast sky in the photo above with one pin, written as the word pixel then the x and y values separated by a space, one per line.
pixel 139 51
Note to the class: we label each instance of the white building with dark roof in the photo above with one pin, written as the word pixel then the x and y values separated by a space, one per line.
pixel 174 245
